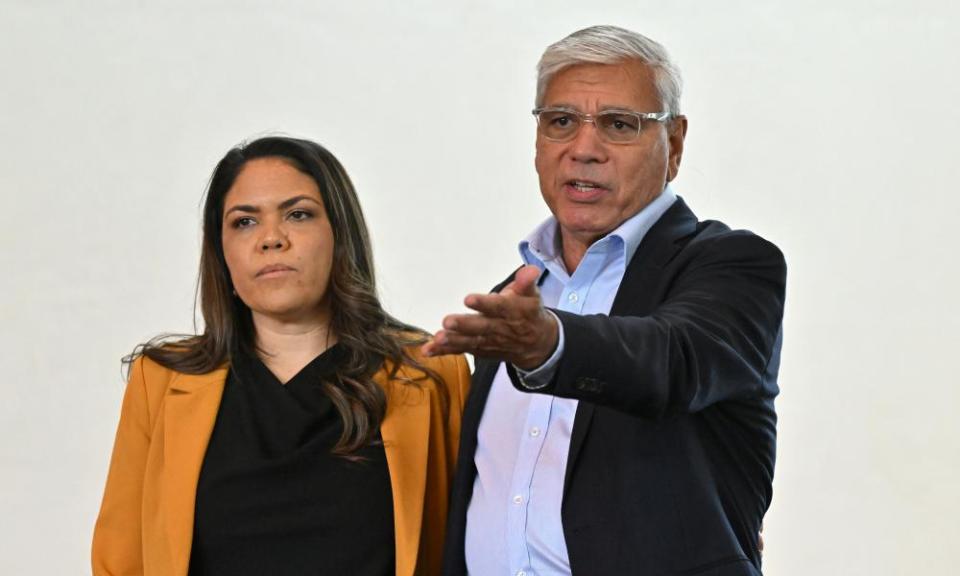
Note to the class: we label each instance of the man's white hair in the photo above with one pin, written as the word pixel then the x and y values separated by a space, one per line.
pixel 612 45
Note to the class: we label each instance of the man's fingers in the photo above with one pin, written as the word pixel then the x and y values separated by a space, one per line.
pixel 503 306
pixel 449 342
pixel 478 332
pixel 490 305
pixel 504 326
pixel 430 349
pixel 467 324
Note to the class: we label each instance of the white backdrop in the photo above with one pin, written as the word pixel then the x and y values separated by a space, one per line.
pixel 828 127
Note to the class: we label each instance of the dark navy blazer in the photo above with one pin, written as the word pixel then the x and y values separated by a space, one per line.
pixel 673 444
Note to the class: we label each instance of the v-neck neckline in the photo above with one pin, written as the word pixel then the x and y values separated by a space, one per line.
pixel 314 371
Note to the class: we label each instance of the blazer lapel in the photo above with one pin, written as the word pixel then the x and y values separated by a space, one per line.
pixel 658 247
pixel 405 431
pixel 480 384
pixel 634 297
pixel 189 415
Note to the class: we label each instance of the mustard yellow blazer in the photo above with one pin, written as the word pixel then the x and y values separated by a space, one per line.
pixel 145 525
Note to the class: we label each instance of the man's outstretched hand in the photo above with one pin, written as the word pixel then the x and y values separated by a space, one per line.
pixel 512 325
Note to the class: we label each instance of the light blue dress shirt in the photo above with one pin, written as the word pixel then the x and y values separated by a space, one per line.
pixel 513 521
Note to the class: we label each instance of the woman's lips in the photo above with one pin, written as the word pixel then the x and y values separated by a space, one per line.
pixel 274 270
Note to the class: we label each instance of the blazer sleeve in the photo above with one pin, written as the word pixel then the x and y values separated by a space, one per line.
pixel 714 336
pixel 117 549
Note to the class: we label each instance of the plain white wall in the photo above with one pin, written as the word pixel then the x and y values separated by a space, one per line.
pixel 829 127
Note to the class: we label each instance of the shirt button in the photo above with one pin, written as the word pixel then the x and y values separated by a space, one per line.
pixel 518 499
pixel 572 297
pixel 534 431
pixel 521 573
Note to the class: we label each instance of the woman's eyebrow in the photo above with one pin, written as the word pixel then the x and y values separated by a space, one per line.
pixel 291 201
pixel 242 208
pixel 282 206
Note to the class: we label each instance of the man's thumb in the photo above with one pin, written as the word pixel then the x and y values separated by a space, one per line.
pixel 524 281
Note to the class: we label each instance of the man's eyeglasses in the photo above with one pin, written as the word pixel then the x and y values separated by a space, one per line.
pixel 614 126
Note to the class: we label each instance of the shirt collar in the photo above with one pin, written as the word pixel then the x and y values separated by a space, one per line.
pixel 543 244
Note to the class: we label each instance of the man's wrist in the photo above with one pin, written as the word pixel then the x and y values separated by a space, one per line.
pixel 540 376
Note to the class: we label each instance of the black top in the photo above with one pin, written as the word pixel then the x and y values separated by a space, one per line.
pixel 272 499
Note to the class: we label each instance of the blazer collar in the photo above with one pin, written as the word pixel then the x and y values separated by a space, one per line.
pixel 658 247
pixel 191 408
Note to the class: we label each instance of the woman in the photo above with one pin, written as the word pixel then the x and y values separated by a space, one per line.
pixel 300 433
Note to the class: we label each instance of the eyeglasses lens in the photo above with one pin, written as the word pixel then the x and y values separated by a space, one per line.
pixel 618 127
pixel 613 126
pixel 559 125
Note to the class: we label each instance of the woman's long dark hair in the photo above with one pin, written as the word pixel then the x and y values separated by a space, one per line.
pixel 368 337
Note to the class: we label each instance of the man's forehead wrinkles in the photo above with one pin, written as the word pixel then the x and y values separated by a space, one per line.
pixel 587 79
pixel 596 99
pixel 600 108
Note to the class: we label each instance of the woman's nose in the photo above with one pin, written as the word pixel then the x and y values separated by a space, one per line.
pixel 273 239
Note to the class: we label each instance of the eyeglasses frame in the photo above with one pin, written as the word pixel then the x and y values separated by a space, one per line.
pixel 592 119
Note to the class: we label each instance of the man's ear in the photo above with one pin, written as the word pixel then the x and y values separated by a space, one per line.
pixel 676 132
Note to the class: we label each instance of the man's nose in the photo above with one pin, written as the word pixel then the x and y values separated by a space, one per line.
pixel 587 146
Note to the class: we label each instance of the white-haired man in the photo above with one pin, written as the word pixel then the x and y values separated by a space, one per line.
pixel 621 417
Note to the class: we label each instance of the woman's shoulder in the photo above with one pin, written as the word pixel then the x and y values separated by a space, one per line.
pixel 415 366
pixel 155 370
pixel 450 372
pixel 444 366
pixel 146 368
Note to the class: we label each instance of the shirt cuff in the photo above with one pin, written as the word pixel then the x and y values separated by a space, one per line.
pixel 541 376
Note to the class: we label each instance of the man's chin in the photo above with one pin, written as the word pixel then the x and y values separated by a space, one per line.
pixel 584 230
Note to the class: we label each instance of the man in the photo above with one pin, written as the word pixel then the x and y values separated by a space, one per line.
pixel 621 419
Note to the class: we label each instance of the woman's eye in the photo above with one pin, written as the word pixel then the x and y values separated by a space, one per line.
pixel 300 215
pixel 243 222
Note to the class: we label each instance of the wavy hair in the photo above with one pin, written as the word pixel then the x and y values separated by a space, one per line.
pixel 368 337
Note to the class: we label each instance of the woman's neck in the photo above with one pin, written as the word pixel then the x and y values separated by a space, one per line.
pixel 287 347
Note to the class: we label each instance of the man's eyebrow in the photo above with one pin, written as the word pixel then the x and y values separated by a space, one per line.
pixel 247 208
